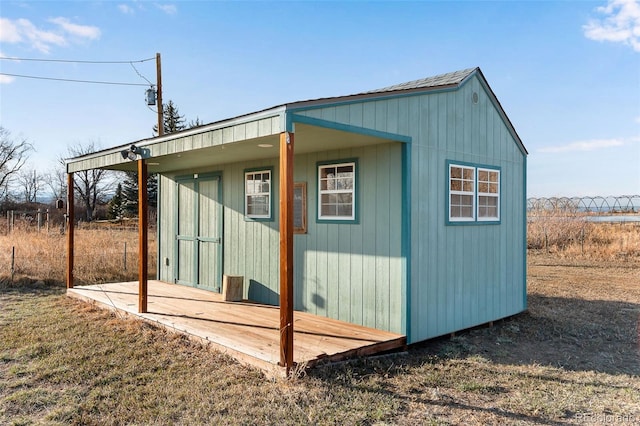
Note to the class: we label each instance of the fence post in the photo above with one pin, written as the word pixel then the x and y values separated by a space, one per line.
pixel 12 223
pixel 125 256
pixel 47 219
pixel 546 241
pixel 39 218
pixel 13 261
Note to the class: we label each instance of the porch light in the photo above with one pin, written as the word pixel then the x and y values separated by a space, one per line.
pixel 131 153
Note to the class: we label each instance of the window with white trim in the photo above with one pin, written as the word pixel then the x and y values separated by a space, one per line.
pixel 461 193
pixel 474 193
pixel 257 194
pixel 336 191
pixel 488 194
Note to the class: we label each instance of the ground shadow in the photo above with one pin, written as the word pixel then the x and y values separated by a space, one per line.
pixel 567 333
pixel 570 334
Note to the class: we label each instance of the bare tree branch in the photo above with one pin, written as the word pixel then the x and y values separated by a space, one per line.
pixel 91 185
pixel 13 155
pixel 31 184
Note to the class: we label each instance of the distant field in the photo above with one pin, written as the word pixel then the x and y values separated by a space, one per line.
pixel 572 358
pixel 100 251
pixel 99 255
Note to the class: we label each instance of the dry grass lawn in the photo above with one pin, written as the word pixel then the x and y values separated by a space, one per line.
pixel 572 358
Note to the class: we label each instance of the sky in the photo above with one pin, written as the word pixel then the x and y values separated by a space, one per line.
pixel 567 73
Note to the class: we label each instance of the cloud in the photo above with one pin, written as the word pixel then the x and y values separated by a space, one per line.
pixel 81 31
pixel 6 79
pixel 169 9
pixel 126 9
pixel 24 31
pixel 9 31
pixel 620 23
pixel 39 39
pixel 588 145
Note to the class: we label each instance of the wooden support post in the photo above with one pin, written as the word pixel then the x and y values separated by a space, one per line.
pixel 286 250
pixel 70 228
pixel 159 101
pixel 143 251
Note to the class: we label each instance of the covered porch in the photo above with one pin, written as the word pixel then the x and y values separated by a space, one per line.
pixel 224 148
pixel 247 331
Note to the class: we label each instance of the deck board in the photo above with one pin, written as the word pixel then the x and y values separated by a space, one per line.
pixel 245 330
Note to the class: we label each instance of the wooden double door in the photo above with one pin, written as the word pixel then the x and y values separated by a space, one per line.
pixel 199 231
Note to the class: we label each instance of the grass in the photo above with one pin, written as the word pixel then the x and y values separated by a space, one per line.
pixel 572 358
pixel 99 255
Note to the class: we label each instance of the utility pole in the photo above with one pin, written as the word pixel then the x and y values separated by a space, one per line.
pixel 159 98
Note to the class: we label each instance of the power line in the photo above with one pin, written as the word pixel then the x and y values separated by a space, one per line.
pixel 140 75
pixel 74 61
pixel 74 81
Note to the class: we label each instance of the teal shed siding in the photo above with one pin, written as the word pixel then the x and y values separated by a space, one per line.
pixel 467 275
pixel 460 276
pixel 351 272
pixel 401 266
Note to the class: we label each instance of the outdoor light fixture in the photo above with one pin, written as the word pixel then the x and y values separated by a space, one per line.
pixel 131 153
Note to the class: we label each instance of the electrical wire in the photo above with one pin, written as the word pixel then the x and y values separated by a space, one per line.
pixel 74 81
pixel 74 61
pixel 140 75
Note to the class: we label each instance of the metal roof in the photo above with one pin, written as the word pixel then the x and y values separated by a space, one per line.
pixel 448 79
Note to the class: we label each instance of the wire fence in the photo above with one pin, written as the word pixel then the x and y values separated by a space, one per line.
pixel 603 205
pixel 569 223
pixel 100 255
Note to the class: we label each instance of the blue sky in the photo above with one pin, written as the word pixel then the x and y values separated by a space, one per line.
pixel 567 73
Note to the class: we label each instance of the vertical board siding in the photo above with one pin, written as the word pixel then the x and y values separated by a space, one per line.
pixel 463 276
pixel 460 276
pixel 351 272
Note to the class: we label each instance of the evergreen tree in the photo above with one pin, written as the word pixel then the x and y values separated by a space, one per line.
pixel 194 123
pixel 172 120
pixel 130 192
pixel 116 208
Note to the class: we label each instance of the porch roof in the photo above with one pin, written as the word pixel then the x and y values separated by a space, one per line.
pixel 213 143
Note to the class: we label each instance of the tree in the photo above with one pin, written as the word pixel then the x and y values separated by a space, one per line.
pixel 56 181
pixel 130 192
pixel 116 205
pixel 91 185
pixel 172 120
pixel 13 155
pixel 31 183
pixel 194 123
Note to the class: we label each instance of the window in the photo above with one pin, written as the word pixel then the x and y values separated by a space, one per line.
pixel 488 194
pixel 473 193
pixel 300 208
pixel 336 191
pixel 257 191
pixel 461 192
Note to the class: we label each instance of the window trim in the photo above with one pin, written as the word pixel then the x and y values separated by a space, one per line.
pixel 354 218
pixel 258 218
pixel 476 194
pixel 487 194
pixel 471 193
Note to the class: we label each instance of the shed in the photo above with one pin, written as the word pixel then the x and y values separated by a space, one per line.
pixel 401 209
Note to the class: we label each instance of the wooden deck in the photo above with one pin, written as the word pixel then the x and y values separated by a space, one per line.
pixel 245 330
